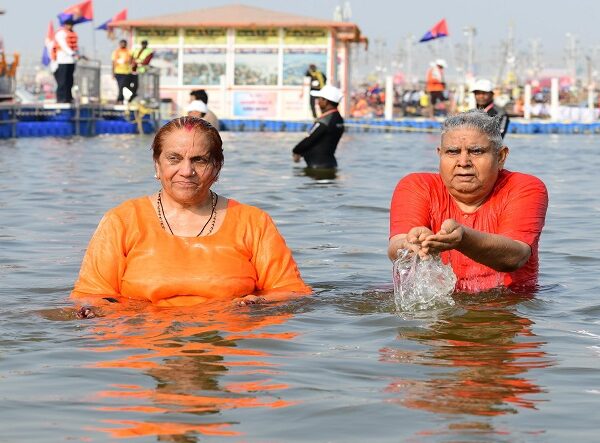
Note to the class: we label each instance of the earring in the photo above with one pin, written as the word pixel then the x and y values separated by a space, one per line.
pixel 156 175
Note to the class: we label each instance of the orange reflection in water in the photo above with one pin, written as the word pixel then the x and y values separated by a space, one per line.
pixel 476 363
pixel 185 353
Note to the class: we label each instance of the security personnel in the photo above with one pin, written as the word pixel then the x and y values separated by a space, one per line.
pixel 317 81
pixel 435 82
pixel 484 98
pixel 319 147
pixel 140 62
pixel 65 53
pixel 122 62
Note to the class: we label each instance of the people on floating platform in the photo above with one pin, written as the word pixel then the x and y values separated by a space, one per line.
pixel 65 53
pixel 483 90
pixel 140 61
pixel 318 148
pixel 485 221
pixel 121 67
pixel 200 94
pixel 186 244
pixel 435 86
pixel 317 81
pixel 197 109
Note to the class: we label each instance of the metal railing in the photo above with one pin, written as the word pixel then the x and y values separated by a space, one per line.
pixel 87 81
pixel 8 86
pixel 149 87
pixel 87 107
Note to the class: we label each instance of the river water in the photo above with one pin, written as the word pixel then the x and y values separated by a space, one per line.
pixel 341 366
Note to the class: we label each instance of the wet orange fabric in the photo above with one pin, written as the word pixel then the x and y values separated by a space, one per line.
pixel 516 208
pixel 131 256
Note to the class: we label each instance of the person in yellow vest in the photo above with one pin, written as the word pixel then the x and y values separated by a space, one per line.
pixel 121 62
pixel 140 61
pixel 317 81
pixel 65 53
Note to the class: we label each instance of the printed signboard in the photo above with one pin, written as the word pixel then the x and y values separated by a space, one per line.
pixel 305 36
pixel 269 36
pixel 205 36
pixel 157 36
pixel 255 104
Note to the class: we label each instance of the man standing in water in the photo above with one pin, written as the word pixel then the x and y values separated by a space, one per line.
pixel 209 116
pixel 485 221
pixel 483 91
pixel 319 147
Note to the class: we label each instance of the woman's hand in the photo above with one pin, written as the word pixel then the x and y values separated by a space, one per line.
pixel 415 238
pixel 85 312
pixel 249 300
pixel 448 237
pixel 411 241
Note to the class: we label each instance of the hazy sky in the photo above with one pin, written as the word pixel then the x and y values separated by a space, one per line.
pixel 23 27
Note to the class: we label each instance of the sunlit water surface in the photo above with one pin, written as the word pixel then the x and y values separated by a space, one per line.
pixel 341 366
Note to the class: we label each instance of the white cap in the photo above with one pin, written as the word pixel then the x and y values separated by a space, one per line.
pixel 441 62
pixel 329 92
pixel 198 106
pixel 483 85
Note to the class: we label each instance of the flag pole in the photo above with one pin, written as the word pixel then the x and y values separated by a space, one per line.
pixel 94 39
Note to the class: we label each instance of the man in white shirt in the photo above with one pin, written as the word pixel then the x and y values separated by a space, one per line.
pixel 66 54
pixel 209 116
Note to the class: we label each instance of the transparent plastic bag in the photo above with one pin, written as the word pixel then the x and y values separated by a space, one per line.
pixel 422 284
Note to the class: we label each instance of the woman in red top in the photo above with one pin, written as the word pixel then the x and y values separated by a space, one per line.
pixel 484 220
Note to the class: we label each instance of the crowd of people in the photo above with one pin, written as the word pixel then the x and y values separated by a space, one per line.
pixel 368 102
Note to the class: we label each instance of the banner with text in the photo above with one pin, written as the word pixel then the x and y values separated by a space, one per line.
pixel 255 104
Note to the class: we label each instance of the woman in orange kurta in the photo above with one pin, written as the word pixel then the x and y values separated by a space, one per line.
pixel 185 244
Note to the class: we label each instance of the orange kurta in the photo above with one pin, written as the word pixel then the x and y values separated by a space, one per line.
pixel 131 256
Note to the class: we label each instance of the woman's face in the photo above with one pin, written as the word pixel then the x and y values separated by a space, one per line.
pixel 184 166
pixel 469 164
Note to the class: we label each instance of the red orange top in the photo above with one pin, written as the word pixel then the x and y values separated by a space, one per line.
pixel 131 256
pixel 516 208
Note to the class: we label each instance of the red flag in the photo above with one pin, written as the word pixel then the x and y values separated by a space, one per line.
pixel 439 30
pixel 116 18
pixel 79 13
pixel 48 45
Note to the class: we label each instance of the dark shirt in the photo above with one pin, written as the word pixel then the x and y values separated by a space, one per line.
pixel 499 113
pixel 319 147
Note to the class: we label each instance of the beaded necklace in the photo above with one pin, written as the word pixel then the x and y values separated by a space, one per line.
pixel 212 219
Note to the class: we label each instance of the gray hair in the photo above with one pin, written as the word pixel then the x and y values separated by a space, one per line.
pixel 476 119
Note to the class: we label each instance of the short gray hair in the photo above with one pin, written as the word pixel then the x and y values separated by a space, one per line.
pixel 479 120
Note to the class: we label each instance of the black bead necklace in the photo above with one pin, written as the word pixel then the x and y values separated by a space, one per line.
pixel 212 218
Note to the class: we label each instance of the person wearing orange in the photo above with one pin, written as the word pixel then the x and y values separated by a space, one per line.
pixel 122 64
pixel 484 220
pixel 435 84
pixel 185 244
pixel 65 53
